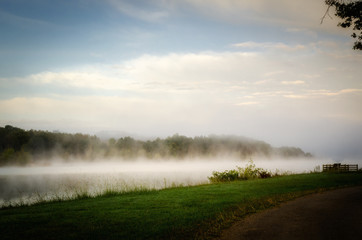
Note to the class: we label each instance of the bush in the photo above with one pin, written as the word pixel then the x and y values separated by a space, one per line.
pixel 225 176
pixel 249 172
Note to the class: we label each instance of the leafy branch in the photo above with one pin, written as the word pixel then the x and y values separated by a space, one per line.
pixel 350 12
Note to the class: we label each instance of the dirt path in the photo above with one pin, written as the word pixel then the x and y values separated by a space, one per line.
pixel 329 215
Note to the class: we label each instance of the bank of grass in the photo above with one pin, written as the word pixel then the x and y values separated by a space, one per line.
pixel 198 212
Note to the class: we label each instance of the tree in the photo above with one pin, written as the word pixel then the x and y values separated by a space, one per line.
pixel 350 11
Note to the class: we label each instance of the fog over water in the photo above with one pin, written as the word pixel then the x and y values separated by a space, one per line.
pixel 31 184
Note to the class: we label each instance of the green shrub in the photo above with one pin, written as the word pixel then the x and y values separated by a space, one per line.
pixel 225 176
pixel 248 172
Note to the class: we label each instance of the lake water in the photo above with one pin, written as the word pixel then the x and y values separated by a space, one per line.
pixel 31 184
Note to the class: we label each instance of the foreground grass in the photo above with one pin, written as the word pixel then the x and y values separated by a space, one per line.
pixel 177 213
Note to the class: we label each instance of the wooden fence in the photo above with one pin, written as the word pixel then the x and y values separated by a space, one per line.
pixel 337 167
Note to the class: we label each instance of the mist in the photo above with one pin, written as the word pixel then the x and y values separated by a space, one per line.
pixel 39 166
pixel 26 185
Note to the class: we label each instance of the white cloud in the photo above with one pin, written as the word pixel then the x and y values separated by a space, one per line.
pixel 208 71
pixel 269 45
pixel 325 92
pixel 205 74
pixel 77 79
pixel 297 82
pixel 249 44
pixel 295 96
pixel 246 103
pixel 268 74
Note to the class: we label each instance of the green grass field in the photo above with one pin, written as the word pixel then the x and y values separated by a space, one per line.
pixel 198 212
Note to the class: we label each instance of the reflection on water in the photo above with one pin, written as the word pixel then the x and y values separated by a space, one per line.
pixel 27 185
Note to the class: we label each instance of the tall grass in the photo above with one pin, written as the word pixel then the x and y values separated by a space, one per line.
pixel 83 191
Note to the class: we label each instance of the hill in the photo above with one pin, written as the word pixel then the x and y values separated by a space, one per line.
pixel 19 147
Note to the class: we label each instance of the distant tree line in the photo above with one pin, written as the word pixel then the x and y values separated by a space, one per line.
pixel 18 146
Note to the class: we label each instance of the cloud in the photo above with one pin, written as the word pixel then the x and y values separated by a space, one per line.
pixel 305 31
pixel 193 93
pixel 249 44
pixel 289 14
pixel 295 96
pixel 205 71
pixel 149 75
pixel 323 93
pixel 279 13
pixel 246 103
pixel 297 82
pixel 269 45
pixel 334 93
pixel 202 74
pixel 141 10
pixel 268 74
pixel 79 79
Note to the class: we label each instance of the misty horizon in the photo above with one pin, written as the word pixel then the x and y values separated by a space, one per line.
pixel 21 147
pixel 335 153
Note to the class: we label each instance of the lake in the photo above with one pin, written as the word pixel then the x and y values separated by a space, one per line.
pixel 31 184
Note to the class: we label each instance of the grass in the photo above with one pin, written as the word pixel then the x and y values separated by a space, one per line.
pixel 198 212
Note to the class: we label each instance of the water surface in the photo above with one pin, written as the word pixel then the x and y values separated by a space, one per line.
pixel 31 184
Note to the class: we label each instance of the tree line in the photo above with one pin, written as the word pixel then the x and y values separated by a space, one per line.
pixel 19 147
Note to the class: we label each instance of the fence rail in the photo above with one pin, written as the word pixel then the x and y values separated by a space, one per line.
pixel 337 167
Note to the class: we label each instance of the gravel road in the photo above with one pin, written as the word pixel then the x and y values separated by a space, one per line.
pixel 335 214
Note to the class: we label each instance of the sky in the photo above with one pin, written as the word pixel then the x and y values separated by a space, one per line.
pixel 264 69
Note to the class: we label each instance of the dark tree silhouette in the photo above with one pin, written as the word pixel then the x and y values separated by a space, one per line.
pixel 350 12
pixel 19 147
